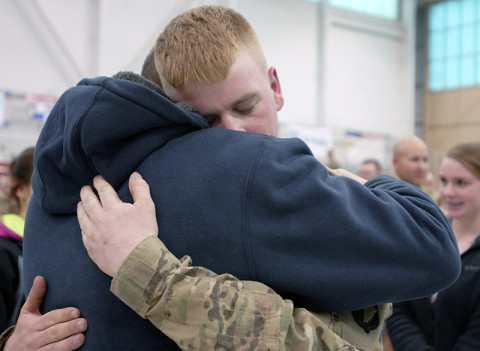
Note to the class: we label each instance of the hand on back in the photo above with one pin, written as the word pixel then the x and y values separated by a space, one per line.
pixel 111 228
pixel 59 330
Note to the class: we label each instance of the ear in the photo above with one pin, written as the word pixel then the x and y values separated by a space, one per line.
pixel 395 161
pixel 22 191
pixel 275 86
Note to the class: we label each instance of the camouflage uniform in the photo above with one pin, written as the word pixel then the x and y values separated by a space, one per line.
pixel 200 310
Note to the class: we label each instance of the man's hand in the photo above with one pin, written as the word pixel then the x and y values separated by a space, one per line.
pixel 111 228
pixel 345 173
pixel 59 330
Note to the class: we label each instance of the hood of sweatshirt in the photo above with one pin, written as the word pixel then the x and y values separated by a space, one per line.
pixel 103 126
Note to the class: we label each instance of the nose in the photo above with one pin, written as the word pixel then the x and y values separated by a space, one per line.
pixel 230 122
pixel 423 164
pixel 446 189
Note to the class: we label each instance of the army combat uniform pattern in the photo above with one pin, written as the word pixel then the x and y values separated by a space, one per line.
pixel 200 310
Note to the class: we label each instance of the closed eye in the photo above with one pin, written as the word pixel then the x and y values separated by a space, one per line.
pixel 246 105
pixel 212 120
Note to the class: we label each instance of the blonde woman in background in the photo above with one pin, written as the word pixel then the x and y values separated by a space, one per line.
pixel 450 320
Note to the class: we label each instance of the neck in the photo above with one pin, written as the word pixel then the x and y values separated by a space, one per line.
pixel 466 231
pixel 23 210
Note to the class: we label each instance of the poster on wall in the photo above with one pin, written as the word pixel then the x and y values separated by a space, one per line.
pixel 318 138
pixel 361 146
pixel 3 109
pixel 40 106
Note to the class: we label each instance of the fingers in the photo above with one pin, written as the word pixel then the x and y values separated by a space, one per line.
pixel 345 173
pixel 108 195
pixel 56 330
pixel 35 297
pixel 331 171
pixel 69 344
pixel 65 330
pixel 140 190
pixel 90 201
pixel 83 219
pixel 58 317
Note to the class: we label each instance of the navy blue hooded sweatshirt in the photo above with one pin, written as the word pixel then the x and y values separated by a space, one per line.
pixel 258 207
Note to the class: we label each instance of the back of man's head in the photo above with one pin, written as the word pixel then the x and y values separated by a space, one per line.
pixel 149 70
pixel 370 168
pixel 200 45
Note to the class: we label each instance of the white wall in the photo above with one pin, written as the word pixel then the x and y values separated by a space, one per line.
pixel 369 73
pixel 287 30
pixel 335 69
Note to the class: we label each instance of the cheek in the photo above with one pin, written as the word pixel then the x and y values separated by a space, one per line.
pixel 442 191
pixel 474 198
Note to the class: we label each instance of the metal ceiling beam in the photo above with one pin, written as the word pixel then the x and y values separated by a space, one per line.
pixel 149 41
pixel 93 37
pixel 41 27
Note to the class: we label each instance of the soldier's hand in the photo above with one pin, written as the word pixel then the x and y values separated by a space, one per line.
pixel 59 330
pixel 111 228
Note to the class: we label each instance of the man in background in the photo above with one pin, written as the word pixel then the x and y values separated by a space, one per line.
pixel 410 160
pixel 370 168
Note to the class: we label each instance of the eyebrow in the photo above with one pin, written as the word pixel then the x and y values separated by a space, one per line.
pixel 244 98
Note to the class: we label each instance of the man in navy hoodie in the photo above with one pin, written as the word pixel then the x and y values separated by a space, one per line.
pixel 259 207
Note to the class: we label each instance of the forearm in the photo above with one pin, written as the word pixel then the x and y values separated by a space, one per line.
pixel 382 229
pixel 197 308
pixel 404 331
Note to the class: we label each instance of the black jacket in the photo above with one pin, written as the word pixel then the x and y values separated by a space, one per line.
pixel 451 323
pixel 10 276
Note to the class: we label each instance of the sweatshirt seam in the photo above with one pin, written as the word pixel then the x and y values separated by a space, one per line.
pixel 246 230
pixel 76 144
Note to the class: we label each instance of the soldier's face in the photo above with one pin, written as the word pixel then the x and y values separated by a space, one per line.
pixel 247 100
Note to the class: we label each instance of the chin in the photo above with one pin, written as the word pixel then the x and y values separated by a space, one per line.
pixel 454 214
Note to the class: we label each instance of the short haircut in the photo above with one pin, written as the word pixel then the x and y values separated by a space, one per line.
pixel 200 45
pixel 468 155
pixel 21 169
pixel 374 162
pixel 402 144
pixel 149 70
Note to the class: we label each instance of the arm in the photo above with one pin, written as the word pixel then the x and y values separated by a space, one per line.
pixel 365 244
pixel 199 309
pixel 191 305
pixel 60 330
pixel 470 339
pixel 404 332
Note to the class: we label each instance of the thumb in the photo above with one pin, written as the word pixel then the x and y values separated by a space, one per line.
pixel 35 297
pixel 140 190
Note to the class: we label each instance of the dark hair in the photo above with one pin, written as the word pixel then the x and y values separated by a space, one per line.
pixel 375 162
pixel 21 169
pixel 149 70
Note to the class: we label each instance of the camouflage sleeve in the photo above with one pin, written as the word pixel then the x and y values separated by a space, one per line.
pixel 200 310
